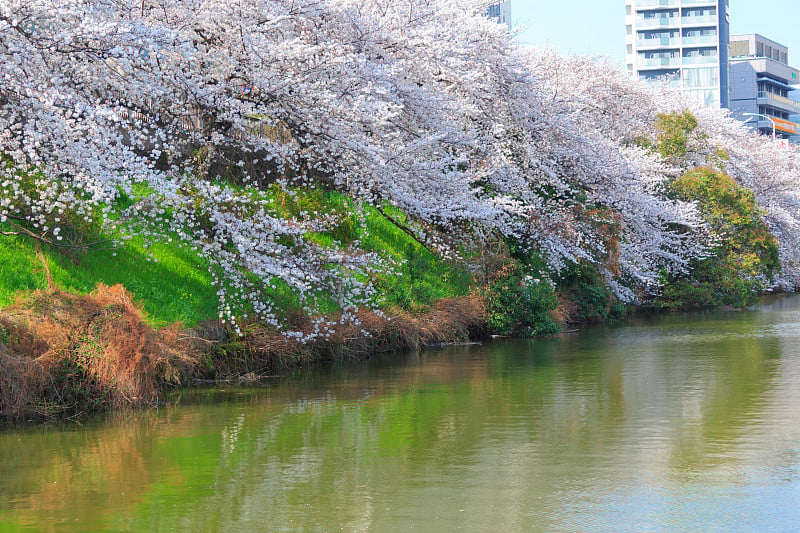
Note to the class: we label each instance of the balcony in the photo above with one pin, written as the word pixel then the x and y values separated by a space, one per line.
pixel 663 81
pixel 655 3
pixel 658 62
pixel 781 102
pixel 701 20
pixel 700 60
pixel 664 42
pixel 701 40
pixel 697 2
pixel 786 126
pixel 660 22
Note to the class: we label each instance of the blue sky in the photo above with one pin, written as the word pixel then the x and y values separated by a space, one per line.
pixel 597 27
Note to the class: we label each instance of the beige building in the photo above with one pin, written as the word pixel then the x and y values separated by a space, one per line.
pixel 763 83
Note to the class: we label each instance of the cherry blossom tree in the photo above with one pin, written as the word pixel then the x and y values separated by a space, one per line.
pixel 426 106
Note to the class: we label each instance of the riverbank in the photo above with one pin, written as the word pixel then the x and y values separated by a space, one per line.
pixel 64 355
pixel 110 319
pixel 241 202
pixel 68 349
pixel 104 326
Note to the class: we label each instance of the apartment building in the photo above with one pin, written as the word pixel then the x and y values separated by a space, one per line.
pixel 500 11
pixel 681 42
pixel 762 83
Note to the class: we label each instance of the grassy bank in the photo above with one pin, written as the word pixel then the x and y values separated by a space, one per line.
pixel 83 330
pixel 173 284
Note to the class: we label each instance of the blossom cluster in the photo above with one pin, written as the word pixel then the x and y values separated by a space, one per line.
pixel 426 106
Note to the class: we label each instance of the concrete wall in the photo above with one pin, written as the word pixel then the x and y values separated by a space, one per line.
pixel 744 89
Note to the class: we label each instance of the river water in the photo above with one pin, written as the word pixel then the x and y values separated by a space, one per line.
pixel 672 423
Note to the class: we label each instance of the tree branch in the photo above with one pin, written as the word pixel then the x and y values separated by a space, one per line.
pixel 22 232
pixel 405 229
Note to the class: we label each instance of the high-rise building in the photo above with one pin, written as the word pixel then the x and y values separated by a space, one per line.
pixel 682 42
pixel 762 85
pixel 501 11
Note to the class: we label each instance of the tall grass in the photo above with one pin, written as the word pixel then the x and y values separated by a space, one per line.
pixel 172 284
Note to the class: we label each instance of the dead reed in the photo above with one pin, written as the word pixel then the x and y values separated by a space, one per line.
pixel 63 355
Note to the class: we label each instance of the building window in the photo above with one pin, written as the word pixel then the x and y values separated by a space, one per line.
pixel 669 54
pixel 701 77
pixel 699 11
pixel 765 88
pixel 772 112
pixel 705 97
pixel 700 32
pixel 700 52
pixel 652 35
pixel 650 15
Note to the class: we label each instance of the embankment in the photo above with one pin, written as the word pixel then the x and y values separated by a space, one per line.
pixel 64 355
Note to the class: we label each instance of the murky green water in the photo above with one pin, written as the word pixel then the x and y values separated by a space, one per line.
pixel 672 424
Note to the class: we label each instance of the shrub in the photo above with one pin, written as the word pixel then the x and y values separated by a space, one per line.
pixel 746 256
pixel 519 302
pixel 674 129
pixel 591 299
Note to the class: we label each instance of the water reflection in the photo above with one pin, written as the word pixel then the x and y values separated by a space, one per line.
pixel 671 423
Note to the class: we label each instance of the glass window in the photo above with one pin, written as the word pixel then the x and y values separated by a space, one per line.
pixel 701 77
pixel 705 97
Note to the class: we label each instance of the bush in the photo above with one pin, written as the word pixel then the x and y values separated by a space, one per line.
pixel 746 257
pixel 674 130
pixel 518 303
pixel 591 298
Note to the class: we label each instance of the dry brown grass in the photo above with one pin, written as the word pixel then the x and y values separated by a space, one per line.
pixel 63 355
pixel 450 320
pixel 262 351
pixel 20 381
